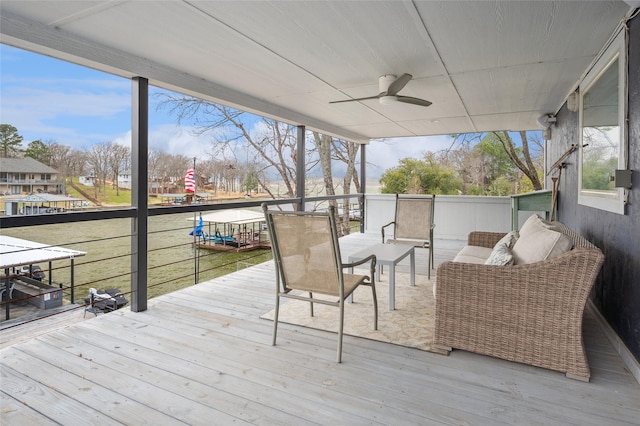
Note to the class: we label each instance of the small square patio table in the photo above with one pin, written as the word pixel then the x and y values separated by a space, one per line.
pixel 390 255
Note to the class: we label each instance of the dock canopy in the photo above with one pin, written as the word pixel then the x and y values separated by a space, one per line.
pixel 232 229
pixel 17 252
pixel 41 204
pixel 233 216
pixel 169 199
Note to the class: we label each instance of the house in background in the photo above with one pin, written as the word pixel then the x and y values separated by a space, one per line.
pixel 87 180
pixel 27 176
pixel 124 179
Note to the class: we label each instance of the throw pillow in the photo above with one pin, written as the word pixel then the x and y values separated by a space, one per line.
pixel 530 225
pixel 534 222
pixel 501 255
pixel 539 241
pixel 508 240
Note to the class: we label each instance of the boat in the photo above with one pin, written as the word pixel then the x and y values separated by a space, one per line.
pixel 229 240
pixel 32 271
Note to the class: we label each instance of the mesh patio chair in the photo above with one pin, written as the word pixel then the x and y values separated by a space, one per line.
pixel 413 223
pixel 307 258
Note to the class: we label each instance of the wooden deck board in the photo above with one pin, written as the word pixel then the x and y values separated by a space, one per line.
pixel 181 382
pixel 251 375
pixel 202 355
pixel 298 377
pixel 15 411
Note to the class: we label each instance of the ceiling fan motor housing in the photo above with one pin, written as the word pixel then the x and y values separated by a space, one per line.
pixel 384 81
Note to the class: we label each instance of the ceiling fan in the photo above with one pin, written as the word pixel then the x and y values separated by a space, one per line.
pixel 389 87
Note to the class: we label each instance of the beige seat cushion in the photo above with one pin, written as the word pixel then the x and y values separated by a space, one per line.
pixel 539 240
pixel 473 254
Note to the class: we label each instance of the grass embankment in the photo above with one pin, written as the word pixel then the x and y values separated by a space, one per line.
pixel 109 196
pixel 105 194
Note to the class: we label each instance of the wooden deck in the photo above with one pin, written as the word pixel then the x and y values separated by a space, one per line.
pixel 202 355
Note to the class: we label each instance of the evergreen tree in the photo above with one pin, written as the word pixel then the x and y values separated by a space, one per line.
pixel 10 141
pixel 38 151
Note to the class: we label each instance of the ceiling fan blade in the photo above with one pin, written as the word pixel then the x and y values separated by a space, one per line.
pixel 398 84
pixel 413 101
pixel 354 100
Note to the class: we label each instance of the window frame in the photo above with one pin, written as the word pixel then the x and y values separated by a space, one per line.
pixel 614 200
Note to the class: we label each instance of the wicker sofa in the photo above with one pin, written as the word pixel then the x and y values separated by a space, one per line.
pixel 528 313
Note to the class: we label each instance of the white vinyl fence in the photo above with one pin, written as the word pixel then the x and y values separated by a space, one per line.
pixel 455 216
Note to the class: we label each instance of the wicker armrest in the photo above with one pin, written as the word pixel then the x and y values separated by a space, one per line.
pixel 484 239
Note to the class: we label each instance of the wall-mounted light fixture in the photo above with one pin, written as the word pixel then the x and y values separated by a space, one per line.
pixel 546 120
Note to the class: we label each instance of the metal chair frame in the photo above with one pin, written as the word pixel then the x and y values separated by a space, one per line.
pixel 295 265
pixel 413 223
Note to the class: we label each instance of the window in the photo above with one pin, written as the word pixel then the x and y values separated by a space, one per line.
pixel 603 98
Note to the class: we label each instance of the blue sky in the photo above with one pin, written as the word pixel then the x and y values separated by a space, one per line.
pixel 49 99
pixel 53 100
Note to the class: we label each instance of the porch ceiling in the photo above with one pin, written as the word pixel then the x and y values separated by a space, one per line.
pixel 491 65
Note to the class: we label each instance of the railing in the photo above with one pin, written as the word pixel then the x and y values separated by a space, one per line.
pixel 175 262
pixel 30 181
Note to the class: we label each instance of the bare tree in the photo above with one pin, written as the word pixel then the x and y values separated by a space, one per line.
pixel 521 158
pixel 468 164
pixel 59 157
pixel 155 180
pixel 98 160
pixel 177 166
pixel 77 162
pixel 271 144
pixel 347 153
pixel 118 160
pixel 482 158
pixel 274 144
pixel 206 171
pixel 323 144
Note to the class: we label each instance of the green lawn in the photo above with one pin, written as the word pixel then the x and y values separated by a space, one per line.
pixel 106 195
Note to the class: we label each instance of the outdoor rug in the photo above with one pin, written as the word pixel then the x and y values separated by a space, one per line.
pixel 411 324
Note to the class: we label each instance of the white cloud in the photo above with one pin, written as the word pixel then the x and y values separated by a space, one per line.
pixel 385 154
pixel 180 140
pixel 173 139
pixel 75 117
pixel 87 99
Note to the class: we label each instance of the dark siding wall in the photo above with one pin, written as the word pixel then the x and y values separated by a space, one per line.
pixel 617 290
